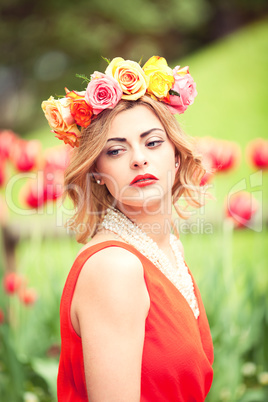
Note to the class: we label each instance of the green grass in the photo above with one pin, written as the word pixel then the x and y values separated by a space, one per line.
pixel 231 77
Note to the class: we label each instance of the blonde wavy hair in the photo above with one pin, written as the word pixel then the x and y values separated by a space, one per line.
pixel 91 200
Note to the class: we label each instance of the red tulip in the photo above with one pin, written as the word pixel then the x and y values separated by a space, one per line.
pixel 45 187
pixel 37 192
pixel 49 185
pixel 53 184
pixel 241 207
pixel 54 350
pixel 28 296
pixel 2 316
pixel 12 282
pixel 56 161
pixel 7 141
pixel 32 194
pixel 226 155
pixel 220 155
pixel 206 179
pixel 257 153
pixel 2 172
pixel 26 155
pixel 58 158
pixel 202 148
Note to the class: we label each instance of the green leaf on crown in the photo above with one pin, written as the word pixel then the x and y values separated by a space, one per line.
pixel 172 92
pixel 83 77
pixel 107 60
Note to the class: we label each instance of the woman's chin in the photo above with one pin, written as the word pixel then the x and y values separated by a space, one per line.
pixel 148 205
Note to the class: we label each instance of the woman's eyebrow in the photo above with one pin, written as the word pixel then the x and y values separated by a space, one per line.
pixel 121 139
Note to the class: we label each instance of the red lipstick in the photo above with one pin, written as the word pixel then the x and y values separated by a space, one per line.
pixel 143 180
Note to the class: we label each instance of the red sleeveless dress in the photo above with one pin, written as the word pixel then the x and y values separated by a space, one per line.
pixel 178 351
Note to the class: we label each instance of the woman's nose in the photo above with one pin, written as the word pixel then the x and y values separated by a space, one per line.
pixel 138 160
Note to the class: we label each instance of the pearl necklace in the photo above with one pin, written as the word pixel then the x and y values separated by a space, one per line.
pixel 116 222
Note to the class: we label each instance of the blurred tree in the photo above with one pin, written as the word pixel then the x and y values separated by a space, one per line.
pixel 43 44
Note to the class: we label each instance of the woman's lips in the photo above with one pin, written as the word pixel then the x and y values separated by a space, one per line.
pixel 144 183
pixel 143 180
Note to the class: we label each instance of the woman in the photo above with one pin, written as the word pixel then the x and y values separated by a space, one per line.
pixel 133 325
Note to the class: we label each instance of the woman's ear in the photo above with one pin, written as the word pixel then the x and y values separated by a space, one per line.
pixel 97 178
pixel 96 175
pixel 177 162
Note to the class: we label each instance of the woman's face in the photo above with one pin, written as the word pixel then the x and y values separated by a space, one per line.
pixel 137 163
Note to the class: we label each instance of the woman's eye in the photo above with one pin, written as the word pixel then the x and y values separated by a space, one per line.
pixel 113 152
pixel 154 143
pixel 151 144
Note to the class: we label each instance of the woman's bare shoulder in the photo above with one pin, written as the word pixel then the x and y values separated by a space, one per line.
pixel 112 271
pixel 111 278
pixel 101 237
pixel 116 261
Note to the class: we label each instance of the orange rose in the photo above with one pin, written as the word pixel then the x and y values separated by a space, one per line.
pixel 80 109
pixel 58 114
pixel 69 137
pixel 60 119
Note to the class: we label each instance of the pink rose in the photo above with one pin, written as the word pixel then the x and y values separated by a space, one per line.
pixel 103 92
pixel 186 87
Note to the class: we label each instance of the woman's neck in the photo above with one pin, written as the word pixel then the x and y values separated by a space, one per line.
pixel 155 222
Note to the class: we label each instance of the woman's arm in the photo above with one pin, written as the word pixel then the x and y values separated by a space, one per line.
pixel 110 304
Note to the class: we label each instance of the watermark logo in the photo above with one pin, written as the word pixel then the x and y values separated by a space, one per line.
pixel 244 203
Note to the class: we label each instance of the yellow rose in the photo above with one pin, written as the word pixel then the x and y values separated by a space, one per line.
pixel 160 77
pixel 130 77
pixel 58 114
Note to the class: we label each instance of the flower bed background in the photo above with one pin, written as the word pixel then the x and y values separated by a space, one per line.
pixel 229 264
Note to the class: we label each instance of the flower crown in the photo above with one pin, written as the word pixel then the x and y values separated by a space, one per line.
pixel 123 79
